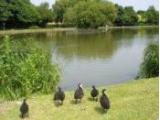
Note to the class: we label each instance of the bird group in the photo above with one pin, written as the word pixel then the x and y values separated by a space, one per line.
pixel 59 97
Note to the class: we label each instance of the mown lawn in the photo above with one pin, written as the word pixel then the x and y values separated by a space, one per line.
pixel 135 100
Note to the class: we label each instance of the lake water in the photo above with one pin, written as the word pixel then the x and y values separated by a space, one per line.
pixel 97 58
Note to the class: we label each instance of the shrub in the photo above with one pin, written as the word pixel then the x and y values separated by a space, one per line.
pixel 25 69
pixel 150 65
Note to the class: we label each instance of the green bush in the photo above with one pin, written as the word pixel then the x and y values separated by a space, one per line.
pixel 150 65
pixel 90 14
pixel 25 69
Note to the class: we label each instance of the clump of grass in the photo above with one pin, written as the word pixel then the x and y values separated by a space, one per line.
pixel 136 100
pixel 25 69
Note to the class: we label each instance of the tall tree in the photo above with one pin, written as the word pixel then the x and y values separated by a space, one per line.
pixel 126 16
pixel 46 15
pixel 90 14
pixel 152 15
pixel 5 13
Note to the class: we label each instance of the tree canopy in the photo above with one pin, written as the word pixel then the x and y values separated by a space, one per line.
pixel 150 17
pixel 126 16
pixel 22 13
pixel 85 13
pixel 78 13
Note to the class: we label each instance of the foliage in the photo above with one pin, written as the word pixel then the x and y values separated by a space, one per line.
pixel 150 65
pixel 152 16
pixel 4 10
pixel 60 7
pixel 90 14
pixel 25 69
pixel 141 17
pixel 80 13
pixel 46 15
pixel 126 16
pixel 22 13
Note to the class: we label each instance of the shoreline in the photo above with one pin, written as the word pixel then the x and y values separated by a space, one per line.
pixel 127 27
pixel 39 30
pixel 42 30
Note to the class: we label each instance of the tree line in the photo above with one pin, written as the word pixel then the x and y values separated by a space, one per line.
pixel 22 13
pixel 77 13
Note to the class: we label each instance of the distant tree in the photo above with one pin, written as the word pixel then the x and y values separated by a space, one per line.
pixel 120 12
pixel 46 15
pixel 60 8
pixel 5 13
pixel 23 12
pixel 150 65
pixel 141 17
pixel 90 14
pixel 126 16
pixel 152 15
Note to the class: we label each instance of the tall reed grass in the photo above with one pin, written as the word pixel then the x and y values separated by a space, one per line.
pixel 25 69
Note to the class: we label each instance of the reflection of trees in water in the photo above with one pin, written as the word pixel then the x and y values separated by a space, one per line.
pixel 90 46
pixel 86 46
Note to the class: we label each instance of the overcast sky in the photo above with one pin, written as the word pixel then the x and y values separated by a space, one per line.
pixel 137 4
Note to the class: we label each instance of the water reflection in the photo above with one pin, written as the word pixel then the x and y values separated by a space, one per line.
pixel 100 58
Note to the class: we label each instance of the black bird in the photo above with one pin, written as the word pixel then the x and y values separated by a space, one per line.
pixel 59 95
pixel 94 93
pixel 78 95
pixel 104 101
pixel 24 109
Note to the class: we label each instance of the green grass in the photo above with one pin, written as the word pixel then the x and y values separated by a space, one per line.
pixel 135 100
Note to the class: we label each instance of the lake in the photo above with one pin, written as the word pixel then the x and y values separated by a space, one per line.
pixel 94 57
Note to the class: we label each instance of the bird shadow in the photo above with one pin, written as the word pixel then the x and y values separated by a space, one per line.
pixel 90 99
pixel 94 100
pixel 73 102
pixel 57 104
pixel 100 110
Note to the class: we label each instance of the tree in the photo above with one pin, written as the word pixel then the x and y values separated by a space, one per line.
pixel 90 14
pixel 46 15
pixel 142 18
pixel 126 16
pixel 23 12
pixel 152 16
pixel 5 13
pixel 59 9
pixel 150 65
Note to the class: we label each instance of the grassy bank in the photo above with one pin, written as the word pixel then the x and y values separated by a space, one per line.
pixel 133 27
pixel 38 30
pixel 135 100
pixel 41 30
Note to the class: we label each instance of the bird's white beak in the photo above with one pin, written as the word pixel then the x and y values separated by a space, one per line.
pixel 81 86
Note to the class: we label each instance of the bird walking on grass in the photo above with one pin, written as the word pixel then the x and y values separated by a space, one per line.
pixel 24 109
pixel 94 93
pixel 104 101
pixel 59 96
pixel 78 95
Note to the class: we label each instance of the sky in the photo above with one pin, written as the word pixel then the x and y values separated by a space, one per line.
pixel 137 4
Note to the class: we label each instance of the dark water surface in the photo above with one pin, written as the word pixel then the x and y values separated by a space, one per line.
pixel 99 58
